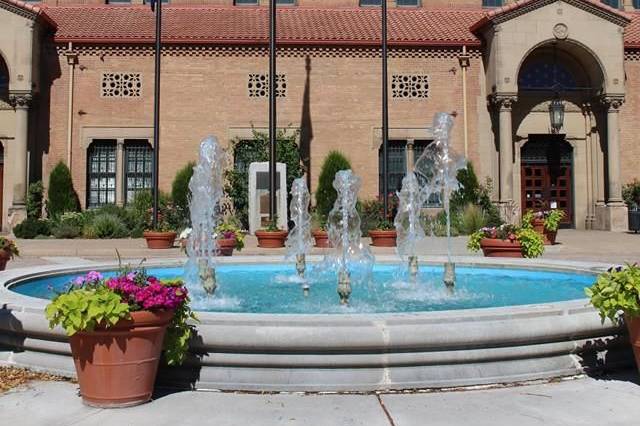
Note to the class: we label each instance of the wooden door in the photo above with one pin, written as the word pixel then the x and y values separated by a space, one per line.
pixel 547 187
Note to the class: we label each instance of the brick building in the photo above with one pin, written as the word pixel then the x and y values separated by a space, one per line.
pixel 76 85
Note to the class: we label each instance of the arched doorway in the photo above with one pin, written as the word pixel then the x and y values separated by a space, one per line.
pixel 547 175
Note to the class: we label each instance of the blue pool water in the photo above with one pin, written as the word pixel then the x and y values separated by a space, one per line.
pixel 273 288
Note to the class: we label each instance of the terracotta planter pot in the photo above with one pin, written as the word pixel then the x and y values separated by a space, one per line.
pixel 494 247
pixel 381 238
pixel 159 240
pixel 117 366
pixel 549 236
pixel 271 239
pixel 226 246
pixel 5 256
pixel 322 238
pixel 538 226
pixel 633 325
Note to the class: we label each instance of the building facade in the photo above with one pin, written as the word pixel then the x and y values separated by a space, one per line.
pixel 76 85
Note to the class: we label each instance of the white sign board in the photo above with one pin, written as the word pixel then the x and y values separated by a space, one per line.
pixel 259 196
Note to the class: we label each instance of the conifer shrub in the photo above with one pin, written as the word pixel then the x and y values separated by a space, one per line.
pixel 180 192
pixel 325 193
pixel 61 197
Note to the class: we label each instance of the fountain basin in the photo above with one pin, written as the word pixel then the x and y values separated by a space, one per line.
pixel 352 351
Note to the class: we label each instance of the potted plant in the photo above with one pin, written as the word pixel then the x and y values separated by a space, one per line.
pixel 319 230
pixel 507 241
pixel 616 296
pixel 631 196
pixel 117 328
pixel 229 237
pixel 8 249
pixel 384 234
pixel 544 222
pixel 381 229
pixel 271 236
pixel 163 235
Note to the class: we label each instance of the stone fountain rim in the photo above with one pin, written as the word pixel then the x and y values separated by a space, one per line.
pixel 13 300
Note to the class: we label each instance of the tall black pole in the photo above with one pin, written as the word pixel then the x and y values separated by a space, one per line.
pixel 385 113
pixel 272 110
pixel 156 112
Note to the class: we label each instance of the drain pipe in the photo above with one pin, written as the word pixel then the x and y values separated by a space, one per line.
pixel 464 61
pixel 72 60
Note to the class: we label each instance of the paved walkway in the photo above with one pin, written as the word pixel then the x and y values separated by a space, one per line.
pixel 584 401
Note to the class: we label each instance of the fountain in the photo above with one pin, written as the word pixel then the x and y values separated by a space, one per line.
pixel 408 227
pixel 438 167
pixel 300 241
pixel 206 192
pixel 343 226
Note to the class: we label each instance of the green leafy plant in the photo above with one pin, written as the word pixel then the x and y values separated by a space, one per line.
pixel 272 225
pixel 61 197
pixel 325 192
pixel 470 191
pixel 229 230
pixel 631 194
pixel 9 246
pixel 107 225
pixel 35 196
pixel 385 225
pixel 531 242
pixel 180 193
pixel 318 222
pixel 31 228
pixel 553 219
pixel 617 293
pixel 472 218
pixel 247 151
pixel 66 231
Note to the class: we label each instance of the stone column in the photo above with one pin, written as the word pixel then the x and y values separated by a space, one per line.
pixel 411 157
pixel 504 104
pixel 616 212
pixel 21 101
pixel 120 172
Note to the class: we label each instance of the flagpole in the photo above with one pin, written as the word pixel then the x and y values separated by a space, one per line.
pixel 272 111
pixel 385 114
pixel 156 110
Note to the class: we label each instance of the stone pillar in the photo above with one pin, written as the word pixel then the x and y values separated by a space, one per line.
pixel 504 104
pixel 616 211
pixel 590 218
pixel 411 157
pixel 20 101
pixel 120 172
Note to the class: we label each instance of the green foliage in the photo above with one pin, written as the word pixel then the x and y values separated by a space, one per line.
pixel 325 193
pixel 369 211
pixel 531 242
pixel 8 245
pixel 35 196
pixel 83 309
pixel 385 225
pixel 140 210
pixel 179 332
pixel 61 196
pixel 472 218
pixel 31 228
pixel 231 230
pixel 181 194
pixel 66 231
pixel 246 152
pixel 527 219
pixel 552 219
pixel 474 241
pixel 617 292
pixel 631 194
pixel 436 225
pixel 470 191
pixel 272 225
pixel 107 225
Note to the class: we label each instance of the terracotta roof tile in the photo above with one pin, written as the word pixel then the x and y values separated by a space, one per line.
pixel 232 25
pixel 632 31
pixel 36 10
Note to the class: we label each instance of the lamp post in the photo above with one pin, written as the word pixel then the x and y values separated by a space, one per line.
pixel 556 114
pixel 156 4
pixel 385 113
pixel 272 110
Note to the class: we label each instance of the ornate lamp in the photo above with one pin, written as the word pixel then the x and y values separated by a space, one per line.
pixel 556 114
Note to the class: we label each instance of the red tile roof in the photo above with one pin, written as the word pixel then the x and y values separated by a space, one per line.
pixel 246 25
pixel 296 26
pixel 36 10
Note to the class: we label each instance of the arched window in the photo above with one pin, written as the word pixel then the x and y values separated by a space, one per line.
pixel 4 82
pixel 546 76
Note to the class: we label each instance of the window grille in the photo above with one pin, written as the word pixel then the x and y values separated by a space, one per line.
pixel 258 85
pixel 491 3
pixel 101 173
pixel 121 85
pixel 410 86
pixel 138 167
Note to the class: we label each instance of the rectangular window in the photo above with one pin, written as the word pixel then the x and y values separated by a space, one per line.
pixel 396 165
pixel 636 4
pixel 402 3
pixel 613 3
pixel 370 2
pixel 245 2
pixel 138 167
pixel 286 2
pixel 101 173
pixel 491 3
pixel 418 148
pixel 117 2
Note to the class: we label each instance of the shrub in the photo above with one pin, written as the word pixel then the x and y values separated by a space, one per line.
pixel 470 191
pixel 66 231
pixel 325 193
pixel 180 192
pixel 370 213
pixel 436 225
pixel 246 152
pixel 61 196
pixel 107 225
pixel 631 194
pixel 35 195
pixel 472 218
pixel 31 228
pixel 617 293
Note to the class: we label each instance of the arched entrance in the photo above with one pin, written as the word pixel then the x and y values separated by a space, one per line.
pixel 552 174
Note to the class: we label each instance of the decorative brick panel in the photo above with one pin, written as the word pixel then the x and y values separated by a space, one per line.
pixel 121 85
pixel 258 85
pixel 410 86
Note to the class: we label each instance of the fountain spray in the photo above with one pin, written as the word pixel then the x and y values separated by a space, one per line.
pixel 408 227
pixel 299 240
pixel 206 191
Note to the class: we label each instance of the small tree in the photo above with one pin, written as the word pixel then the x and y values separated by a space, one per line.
pixel 180 192
pixel 61 196
pixel 325 193
pixel 35 195
pixel 470 191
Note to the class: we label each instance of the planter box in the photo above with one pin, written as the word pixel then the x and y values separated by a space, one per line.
pixel 271 239
pixel 381 238
pixel 117 366
pixel 494 247
pixel 159 240
pixel 634 220
pixel 322 238
pixel 226 246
